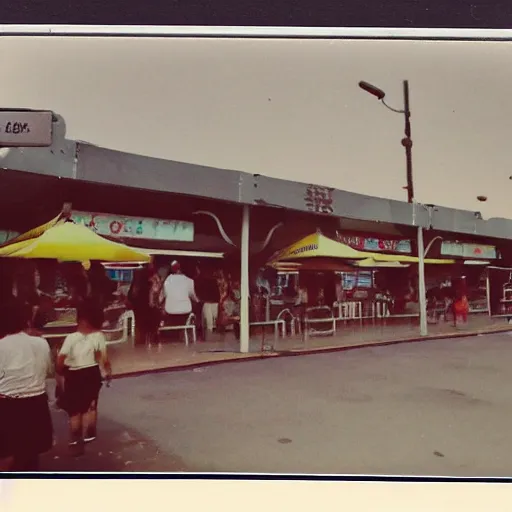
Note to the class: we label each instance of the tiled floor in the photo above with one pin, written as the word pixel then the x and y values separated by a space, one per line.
pixel 128 359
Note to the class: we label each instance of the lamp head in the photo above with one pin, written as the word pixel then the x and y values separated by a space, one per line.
pixel 374 91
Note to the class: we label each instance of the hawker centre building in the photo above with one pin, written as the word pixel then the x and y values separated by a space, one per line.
pixel 202 211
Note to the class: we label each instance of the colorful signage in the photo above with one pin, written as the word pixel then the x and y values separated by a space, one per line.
pixel 462 250
pixel 136 227
pixel 375 244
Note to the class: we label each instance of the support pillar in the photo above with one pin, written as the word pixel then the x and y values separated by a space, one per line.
pixel 244 282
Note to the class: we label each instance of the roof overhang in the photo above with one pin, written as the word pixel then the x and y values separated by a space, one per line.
pixel 83 161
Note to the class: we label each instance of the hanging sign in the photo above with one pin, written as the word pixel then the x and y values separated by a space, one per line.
pixel 462 250
pixel 136 227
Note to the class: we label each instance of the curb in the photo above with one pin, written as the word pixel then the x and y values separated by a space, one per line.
pixel 307 352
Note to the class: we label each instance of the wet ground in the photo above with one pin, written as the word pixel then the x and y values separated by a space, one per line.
pixel 434 407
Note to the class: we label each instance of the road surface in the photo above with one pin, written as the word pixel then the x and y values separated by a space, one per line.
pixel 428 408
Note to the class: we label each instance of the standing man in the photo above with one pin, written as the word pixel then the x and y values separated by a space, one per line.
pixel 208 290
pixel 178 294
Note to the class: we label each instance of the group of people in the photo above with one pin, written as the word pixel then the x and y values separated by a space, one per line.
pixel 449 297
pixel 213 297
pixel 26 429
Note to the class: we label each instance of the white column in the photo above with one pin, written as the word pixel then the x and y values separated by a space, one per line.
pixel 422 291
pixel 488 291
pixel 244 283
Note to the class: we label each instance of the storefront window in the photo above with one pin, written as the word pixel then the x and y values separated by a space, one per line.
pixel 351 280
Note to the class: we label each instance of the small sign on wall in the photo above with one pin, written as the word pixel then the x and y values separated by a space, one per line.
pixel 462 250
pixel 19 128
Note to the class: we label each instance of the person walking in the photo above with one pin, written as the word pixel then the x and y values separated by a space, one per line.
pixel 79 374
pixel 26 429
pixel 179 293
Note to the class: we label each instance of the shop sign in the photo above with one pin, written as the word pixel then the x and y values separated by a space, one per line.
pixel 136 227
pixel 462 250
pixel 25 128
pixel 361 243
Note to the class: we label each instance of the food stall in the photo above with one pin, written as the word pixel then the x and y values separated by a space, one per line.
pixel 358 271
pixel 76 247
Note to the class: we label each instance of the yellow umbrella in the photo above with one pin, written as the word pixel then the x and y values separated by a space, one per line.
pixel 371 263
pixel 407 259
pixel 8 250
pixel 72 242
pixel 318 245
pixel 35 232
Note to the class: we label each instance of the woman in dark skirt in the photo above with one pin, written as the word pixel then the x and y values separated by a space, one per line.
pixel 25 423
pixel 79 374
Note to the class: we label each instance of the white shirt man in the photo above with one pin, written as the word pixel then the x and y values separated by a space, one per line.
pixel 25 427
pixel 25 362
pixel 179 293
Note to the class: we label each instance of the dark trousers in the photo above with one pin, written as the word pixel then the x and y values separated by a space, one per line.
pixel 174 320
pixel 197 309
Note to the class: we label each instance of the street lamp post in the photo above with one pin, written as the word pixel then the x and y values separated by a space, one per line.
pixel 407 144
pixel 406 141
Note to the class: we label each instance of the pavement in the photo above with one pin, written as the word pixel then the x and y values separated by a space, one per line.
pixel 429 408
pixel 118 448
pixel 128 360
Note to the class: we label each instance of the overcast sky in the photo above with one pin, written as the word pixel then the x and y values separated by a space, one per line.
pixel 287 109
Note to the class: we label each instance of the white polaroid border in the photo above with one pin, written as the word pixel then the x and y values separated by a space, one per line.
pixel 257 32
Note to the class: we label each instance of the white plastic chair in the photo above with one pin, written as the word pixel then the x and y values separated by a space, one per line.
pixel 381 309
pixel 125 326
pixel 329 320
pixel 190 325
pixel 293 320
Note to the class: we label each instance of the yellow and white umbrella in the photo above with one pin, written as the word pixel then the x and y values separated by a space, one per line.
pixel 371 263
pixel 72 242
pixel 317 246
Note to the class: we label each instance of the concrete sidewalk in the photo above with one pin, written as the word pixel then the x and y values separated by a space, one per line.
pixel 129 360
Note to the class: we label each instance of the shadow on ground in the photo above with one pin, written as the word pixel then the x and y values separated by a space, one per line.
pixel 116 449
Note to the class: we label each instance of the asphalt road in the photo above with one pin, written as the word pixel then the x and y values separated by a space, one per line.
pixel 429 408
